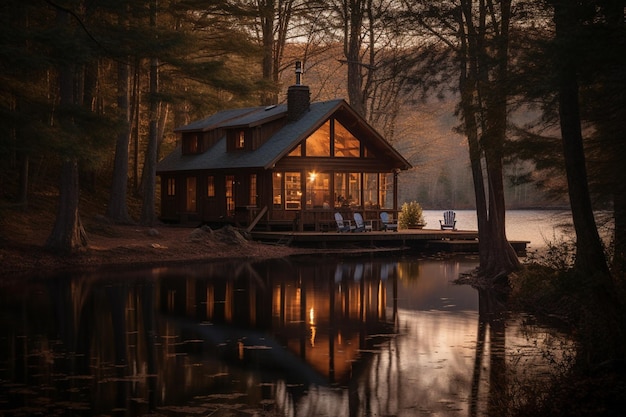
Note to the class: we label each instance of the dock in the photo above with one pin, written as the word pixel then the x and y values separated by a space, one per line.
pixel 427 240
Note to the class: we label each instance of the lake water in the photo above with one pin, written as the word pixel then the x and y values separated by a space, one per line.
pixel 534 226
pixel 388 336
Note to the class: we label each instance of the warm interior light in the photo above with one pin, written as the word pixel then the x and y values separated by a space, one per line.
pixel 312 176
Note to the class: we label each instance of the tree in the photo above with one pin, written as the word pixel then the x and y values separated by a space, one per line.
pixel 117 208
pixel 590 257
pixel 68 234
pixel 477 33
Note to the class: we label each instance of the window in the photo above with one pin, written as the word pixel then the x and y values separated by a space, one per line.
pixel 370 190
pixel 240 143
pixel 346 145
pixel 171 186
pixel 192 143
pixel 230 194
pixel 277 187
pixel 386 191
pixel 318 144
pixel 354 189
pixel 318 190
pixel 252 201
pixel 293 190
pixel 332 139
pixel 210 186
pixel 347 189
pixel 297 151
pixel 341 189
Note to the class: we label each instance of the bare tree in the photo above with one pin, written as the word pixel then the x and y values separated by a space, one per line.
pixel 477 33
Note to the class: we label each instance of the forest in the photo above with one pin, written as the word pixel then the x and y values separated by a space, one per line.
pixel 497 104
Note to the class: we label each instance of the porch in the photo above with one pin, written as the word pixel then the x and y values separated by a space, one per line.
pixel 307 220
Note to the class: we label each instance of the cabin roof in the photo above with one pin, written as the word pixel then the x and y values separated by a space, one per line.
pixel 278 145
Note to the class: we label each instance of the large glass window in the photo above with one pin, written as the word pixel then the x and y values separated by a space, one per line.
pixel 354 189
pixel 370 190
pixel 318 144
pixel 386 191
pixel 293 190
pixel 346 145
pixel 318 190
pixel 341 189
pixel 277 187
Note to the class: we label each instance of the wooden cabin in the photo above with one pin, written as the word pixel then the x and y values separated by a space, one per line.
pixel 289 166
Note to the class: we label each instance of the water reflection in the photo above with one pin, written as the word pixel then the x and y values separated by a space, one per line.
pixel 312 337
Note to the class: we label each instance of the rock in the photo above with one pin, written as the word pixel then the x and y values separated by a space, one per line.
pixel 153 232
pixel 198 234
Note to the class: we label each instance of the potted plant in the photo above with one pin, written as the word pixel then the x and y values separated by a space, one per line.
pixel 411 216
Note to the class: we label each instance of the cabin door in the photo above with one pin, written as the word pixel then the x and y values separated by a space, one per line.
pixel 191 205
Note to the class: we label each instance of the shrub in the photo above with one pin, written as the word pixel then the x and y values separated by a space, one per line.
pixel 411 215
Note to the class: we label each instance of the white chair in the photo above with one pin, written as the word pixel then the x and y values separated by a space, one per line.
pixel 343 225
pixel 362 226
pixel 387 222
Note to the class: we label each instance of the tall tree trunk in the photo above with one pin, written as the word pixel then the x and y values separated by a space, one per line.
pixel 68 234
pixel 267 10
pixel 117 209
pixel 590 258
pixel 615 15
pixel 484 109
pixel 148 214
pixel 352 50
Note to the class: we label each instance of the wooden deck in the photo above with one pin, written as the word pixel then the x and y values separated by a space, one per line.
pixel 430 240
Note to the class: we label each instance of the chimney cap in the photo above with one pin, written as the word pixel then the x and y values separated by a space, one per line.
pixel 299 72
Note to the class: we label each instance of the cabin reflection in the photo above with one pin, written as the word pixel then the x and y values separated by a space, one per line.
pixel 322 313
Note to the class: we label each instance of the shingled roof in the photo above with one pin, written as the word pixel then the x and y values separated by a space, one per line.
pixel 267 155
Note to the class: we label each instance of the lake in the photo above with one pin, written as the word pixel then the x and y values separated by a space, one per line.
pixel 308 336
pixel 534 226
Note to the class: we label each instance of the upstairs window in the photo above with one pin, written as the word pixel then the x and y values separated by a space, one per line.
pixel 191 144
pixel 346 145
pixel 332 139
pixel 240 140
pixel 318 144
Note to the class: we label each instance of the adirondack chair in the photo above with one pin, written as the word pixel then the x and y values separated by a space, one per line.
pixel 387 222
pixel 449 221
pixel 343 225
pixel 361 225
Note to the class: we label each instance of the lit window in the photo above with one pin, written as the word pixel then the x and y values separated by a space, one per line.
pixel 171 186
pixel 230 194
pixel 293 190
pixel 277 186
pixel 297 151
pixel 346 145
pixel 210 186
pixel 241 140
pixel 253 189
pixel 318 144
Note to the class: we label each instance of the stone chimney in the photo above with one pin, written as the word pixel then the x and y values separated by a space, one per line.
pixel 298 97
